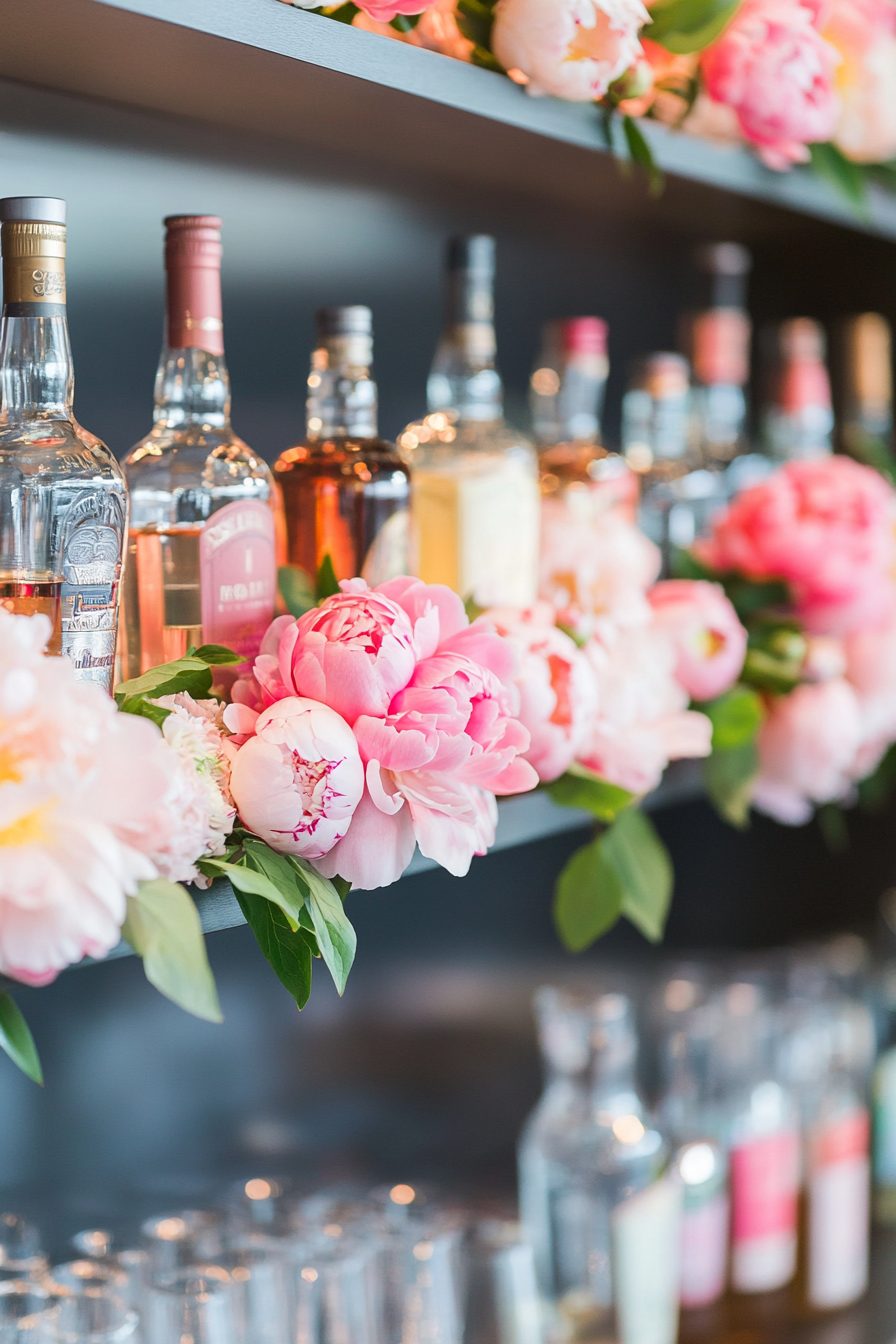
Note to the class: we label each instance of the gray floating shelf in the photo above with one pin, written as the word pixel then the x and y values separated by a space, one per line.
pixel 265 68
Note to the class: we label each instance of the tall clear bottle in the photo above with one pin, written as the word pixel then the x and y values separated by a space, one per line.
pixel 615 1208
pixel 63 502
pixel 865 420
pixel 716 338
pixel 798 419
pixel 345 490
pixel 475 503
pixel 201 551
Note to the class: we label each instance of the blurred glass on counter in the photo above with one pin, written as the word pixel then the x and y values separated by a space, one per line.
pixel 798 419
pixel 21 1256
pixel 716 339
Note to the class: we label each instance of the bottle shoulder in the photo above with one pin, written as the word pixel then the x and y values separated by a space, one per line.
pixel 59 448
pixel 441 442
pixel 338 455
pixel 210 455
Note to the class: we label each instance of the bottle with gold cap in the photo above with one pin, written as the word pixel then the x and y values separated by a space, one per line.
pixel 63 502
pixel 475 498
pixel 345 490
pixel 201 550
pixel 865 422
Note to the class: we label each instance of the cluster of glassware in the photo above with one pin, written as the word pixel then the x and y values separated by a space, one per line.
pixel 746 1185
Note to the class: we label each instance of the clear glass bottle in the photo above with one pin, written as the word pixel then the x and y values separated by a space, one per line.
pixel 201 550
pixel 865 422
pixel 475 502
pixel 564 1035
pixel 615 1210
pixel 798 419
pixel 345 490
pixel 716 338
pixel 63 502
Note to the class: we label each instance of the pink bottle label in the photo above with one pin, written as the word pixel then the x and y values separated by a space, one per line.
pixel 238 576
pixel 704 1252
pixel 764 1185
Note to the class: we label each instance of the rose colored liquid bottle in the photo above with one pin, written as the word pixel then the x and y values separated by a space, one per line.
pixel 201 554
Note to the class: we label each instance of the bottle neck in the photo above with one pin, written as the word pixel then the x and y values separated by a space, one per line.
pixel 567 400
pixel 192 388
pixel 463 378
pixel 342 396
pixel 37 380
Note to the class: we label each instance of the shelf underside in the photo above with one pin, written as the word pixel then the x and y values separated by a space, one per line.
pixel 261 67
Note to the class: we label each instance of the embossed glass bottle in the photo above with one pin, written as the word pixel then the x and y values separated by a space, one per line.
pixel 201 551
pixel 63 503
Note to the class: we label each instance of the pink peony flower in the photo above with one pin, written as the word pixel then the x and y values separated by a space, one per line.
pixel 710 642
pixel 558 691
pixel 864 33
pixel 643 721
pixel 384 11
pixel 572 49
pixel 776 70
pixel 299 778
pixel 73 774
pixel 826 527
pixel 353 653
pixel 870 657
pixel 594 567
pixel 807 747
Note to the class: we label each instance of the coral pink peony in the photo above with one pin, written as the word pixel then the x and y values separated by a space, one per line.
pixel 384 11
pixel 572 49
pixel 299 778
pixel 807 747
pixel 773 67
pixel 710 642
pixel 643 721
pixel 826 527
pixel 74 774
pixel 558 691
pixel 594 567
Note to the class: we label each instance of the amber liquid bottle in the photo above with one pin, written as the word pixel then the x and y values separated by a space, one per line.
pixel 345 490
pixel 201 563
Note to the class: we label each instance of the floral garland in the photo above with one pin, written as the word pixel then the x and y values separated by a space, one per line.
pixel 375 722
pixel 801 81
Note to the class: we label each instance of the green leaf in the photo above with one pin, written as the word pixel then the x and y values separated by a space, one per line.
pixel 184 674
pixel 404 23
pixel 776 651
pixel 163 927
pixel 832 824
pixel 870 449
pixel 735 717
pixel 341 13
pixel 335 936
pixel 844 176
pixel 326 583
pixel 258 883
pixel 472 608
pixel 684 565
pixel 287 951
pixel 475 19
pixel 17 1041
pixel 343 886
pixel 638 857
pixel 135 704
pixel 728 775
pixel 587 898
pixel 581 787
pixel 874 791
pixel 751 596
pixel 296 589
pixel 684 26
pixel 216 655
pixel 641 154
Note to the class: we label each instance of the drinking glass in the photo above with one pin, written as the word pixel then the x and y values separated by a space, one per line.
pixel 20 1252
pixel 503 1304
pixel 27 1313
pixel 96 1316
pixel 337 1292
pixel 260 1273
pixel 196 1303
pixel 189 1237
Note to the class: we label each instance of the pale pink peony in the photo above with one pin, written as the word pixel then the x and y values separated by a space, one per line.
pixel 773 67
pixel 297 781
pixel 353 653
pixel 710 642
pixel 807 747
pixel 643 721
pixel 826 527
pixel 594 566
pixel 870 657
pixel 864 33
pixel 558 690
pixel 74 773
pixel 572 49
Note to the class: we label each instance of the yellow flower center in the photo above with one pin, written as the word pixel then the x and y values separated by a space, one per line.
pixel 9 766
pixel 27 830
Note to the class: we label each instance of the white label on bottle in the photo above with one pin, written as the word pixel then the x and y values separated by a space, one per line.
pixel 838 1212
pixel 764 1184
pixel 704 1251
pixel 884 1094
pixel 646 1239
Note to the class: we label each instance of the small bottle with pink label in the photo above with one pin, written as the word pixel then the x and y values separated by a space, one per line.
pixel 201 565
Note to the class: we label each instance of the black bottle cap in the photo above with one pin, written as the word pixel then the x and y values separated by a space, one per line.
pixel 355 320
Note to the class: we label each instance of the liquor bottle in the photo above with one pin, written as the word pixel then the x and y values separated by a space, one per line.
pixel 716 338
pixel 564 1035
pixel 345 490
pixel 201 551
pixel 63 502
pixel 865 422
pixel 883 1081
pixel 475 503
pixel 798 419
pixel 679 496
pixel 615 1208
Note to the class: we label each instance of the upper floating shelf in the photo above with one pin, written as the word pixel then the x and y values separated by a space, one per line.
pixel 263 67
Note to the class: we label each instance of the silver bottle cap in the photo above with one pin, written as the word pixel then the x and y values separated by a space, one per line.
pixel 46 209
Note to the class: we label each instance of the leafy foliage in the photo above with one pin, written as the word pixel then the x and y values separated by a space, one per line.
pixel 581 787
pixel 163 927
pixel 587 899
pixel 683 26
pixel 288 950
pixel 846 177
pixel 875 790
pixel 191 674
pixel 17 1041
pixel 326 583
pixel 641 154
pixel 728 775
pixel 735 717
pixel 296 589
pixel 776 651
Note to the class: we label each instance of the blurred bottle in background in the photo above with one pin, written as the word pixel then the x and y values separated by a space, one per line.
pixel 475 502
pixel 797 419
pixel 715 337
pixel 864 384
pixel 345 490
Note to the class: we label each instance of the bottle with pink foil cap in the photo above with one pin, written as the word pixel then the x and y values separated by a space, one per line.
pixel 201 565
